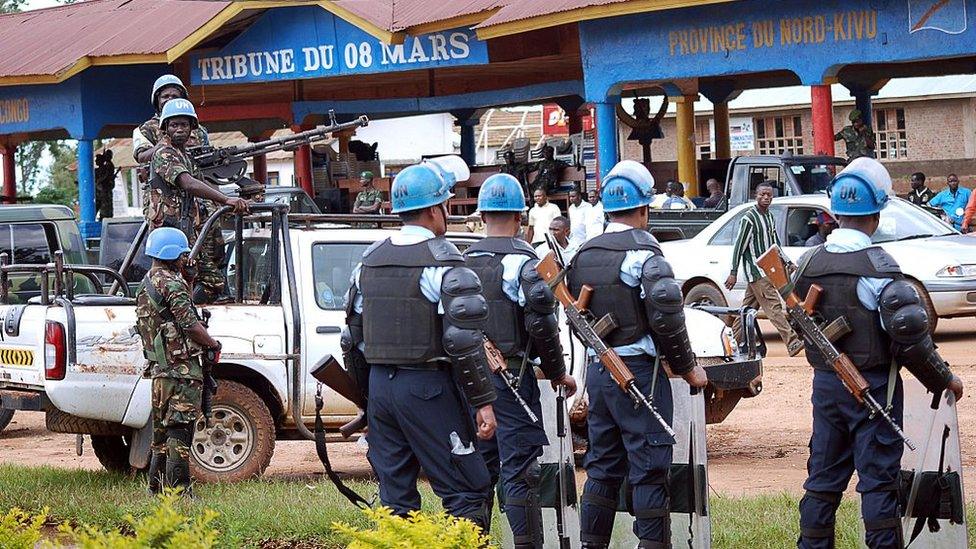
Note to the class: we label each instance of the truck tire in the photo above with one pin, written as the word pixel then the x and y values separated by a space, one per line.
pixel 240 440
pixel 923 294
pixel 61 422
pixel 5 417
pixel 705 293
pixel 112 452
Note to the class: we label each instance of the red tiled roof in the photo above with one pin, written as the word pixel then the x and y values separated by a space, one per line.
pixel 51 41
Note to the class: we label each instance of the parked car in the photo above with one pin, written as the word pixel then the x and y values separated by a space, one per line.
pixel 289 281
pixel 936 258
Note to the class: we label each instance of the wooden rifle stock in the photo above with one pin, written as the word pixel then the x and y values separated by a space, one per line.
pixel 496 361
pixel 851 377
pixel 331 374
pixel 618 370
pixel 550 270
pixel 773 265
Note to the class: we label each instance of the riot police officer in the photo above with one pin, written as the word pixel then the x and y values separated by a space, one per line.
pixel 522 324
pixel 172 340
pixel 864 284
pixel 418 314
pixel 631 279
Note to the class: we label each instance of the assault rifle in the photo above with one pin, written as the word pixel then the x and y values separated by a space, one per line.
pixel 209 359
pixel 328 372
pixel 553 272
pixel 224 165
pixel 499 366
pixel 799 314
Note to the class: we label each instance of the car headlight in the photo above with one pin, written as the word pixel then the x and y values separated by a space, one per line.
pixel 956 271
pixel 728 341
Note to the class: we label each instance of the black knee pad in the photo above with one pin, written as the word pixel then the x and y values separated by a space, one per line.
pixel 182 432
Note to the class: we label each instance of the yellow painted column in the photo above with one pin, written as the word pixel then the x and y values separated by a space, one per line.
pixel 687 159
pixel 723 143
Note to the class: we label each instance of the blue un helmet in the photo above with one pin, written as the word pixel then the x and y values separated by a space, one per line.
pixel 426 184
pixel 162 82
pixel 501 193
pixel 628 185
pixel 862 188
pixel 177 107
pixel 166 243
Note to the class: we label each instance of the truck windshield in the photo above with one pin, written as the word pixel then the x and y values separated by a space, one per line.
pixel 814 178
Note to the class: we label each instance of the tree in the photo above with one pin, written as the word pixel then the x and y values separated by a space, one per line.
pixel 28 158
pixel 11 6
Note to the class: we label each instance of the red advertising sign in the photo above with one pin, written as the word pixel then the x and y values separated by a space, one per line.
pixel 555 121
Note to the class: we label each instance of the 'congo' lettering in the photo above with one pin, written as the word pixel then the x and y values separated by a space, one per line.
pixel 14 110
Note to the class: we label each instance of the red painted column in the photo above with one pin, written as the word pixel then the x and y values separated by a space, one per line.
pixel 823 119
pixel 303 169
pixel 261 168
pixel 9 175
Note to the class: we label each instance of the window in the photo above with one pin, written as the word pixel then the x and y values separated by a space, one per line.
pixel 801 225
pixel 770 175
pixel 28 242
pixel 725 235
pixel 890 134
pixel 274 178
pixel 779 135
pixel 117 238
pixel 703 136
pixel 332 266
pixel 257 271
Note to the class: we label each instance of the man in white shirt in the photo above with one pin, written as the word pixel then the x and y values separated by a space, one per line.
pixel 560 229
pixel 598 219
pixel 540 216
pixel 580 216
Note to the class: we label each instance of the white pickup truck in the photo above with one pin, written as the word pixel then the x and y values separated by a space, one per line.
pixel 77 357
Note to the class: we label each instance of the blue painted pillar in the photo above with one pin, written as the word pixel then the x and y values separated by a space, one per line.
pixel 468 146
pixel 86 189
pixel 607 152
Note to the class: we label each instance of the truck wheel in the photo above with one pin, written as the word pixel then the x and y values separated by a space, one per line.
pixel 705 294
pixel 112 452
pixel 240 440
pixel 5 417
pixel 929 307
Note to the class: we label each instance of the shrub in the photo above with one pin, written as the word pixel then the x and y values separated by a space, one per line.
pixel 19 530
pixel 417 531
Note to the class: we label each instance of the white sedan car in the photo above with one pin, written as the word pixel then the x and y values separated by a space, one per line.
pixel 939 260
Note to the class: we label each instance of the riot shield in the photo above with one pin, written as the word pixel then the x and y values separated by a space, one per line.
pixel 933 499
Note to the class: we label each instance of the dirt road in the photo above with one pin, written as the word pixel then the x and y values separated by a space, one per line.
pixel 761 447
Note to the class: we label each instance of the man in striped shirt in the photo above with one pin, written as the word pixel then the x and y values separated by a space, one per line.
pixel 757 233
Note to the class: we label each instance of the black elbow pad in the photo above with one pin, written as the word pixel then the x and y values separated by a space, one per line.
pixel 664 306
pixel 541 323
pixel 465 313
pixel 907 323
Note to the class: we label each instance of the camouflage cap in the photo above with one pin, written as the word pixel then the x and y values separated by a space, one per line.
pixel 854 116
pixel 366 175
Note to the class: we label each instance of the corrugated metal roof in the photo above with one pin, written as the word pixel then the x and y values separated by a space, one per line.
pixel 526 9
pixel 420 12
pixel 52 40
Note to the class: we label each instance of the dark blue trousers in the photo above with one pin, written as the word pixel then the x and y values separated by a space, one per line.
pixel 626 442
pixel 517 444
pixel 413 417
pixel 844 440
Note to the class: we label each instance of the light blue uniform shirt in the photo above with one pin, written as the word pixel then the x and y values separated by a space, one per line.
pixel 952 203
pixel 630 274
pixel 850 240
pixel 430 279
pixel 511 274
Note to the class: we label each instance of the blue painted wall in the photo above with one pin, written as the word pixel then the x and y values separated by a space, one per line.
pixel 309 42
pixel 814 39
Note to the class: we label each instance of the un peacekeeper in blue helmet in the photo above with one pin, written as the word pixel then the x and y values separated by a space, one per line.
pixel 172 336
pixel 522 320
pixel 865 285
pixel 646 301
pixel 415 334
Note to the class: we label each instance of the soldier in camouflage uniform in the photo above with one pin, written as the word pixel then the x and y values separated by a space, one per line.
pixel 370 199
pixel 173 187
pixel 146 140
pixel 858 137
pixel 173 338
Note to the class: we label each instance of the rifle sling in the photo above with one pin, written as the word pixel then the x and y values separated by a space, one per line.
pixel 321 448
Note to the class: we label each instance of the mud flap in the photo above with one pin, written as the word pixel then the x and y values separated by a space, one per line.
pixel 139 447
pixel 932 496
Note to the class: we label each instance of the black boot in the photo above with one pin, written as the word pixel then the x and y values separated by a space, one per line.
pixel 178 476
pixel 157 468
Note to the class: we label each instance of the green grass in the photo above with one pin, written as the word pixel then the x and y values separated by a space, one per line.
pixel 258 511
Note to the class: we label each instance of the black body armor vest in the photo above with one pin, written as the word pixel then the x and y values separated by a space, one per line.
pixel 597 265
pixel 400 325
pixel 506 319
pixel 867 345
